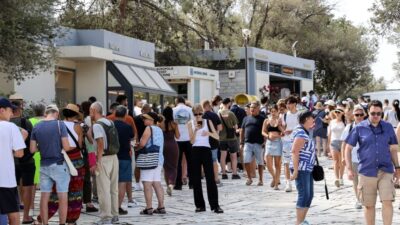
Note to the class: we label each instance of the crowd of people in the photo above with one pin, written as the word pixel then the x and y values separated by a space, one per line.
pixel 81 154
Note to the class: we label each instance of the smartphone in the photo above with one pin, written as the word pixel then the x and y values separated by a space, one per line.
pixel 200 123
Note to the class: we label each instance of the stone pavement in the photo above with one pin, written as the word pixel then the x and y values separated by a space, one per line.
pixel 253 205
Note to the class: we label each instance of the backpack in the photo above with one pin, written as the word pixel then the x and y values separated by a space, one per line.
pixel 112 138
pixel 214 143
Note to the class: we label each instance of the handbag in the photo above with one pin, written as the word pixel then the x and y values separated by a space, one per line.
pixel 214 143
pixel 148 156
pixel 318 171
pixel 71 167
pixel 230 132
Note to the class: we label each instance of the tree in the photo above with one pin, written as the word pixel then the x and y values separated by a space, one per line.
pixel 27 31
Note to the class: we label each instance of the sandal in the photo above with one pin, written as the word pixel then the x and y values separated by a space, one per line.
pixel 249 182
pixel 148 211
pixel 32 221
pixel 260 183
pixel 184 181
pixel 160 211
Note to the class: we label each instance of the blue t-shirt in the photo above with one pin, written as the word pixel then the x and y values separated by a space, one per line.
pixel 158 139
pixel 125 135
pixel 47 134
pixel 307 153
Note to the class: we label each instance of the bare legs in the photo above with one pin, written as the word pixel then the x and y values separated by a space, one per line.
pixel 274 170
pixel 27 200
pixel 62 207
pixel 301 215
pixel 148 193
pixel 233 161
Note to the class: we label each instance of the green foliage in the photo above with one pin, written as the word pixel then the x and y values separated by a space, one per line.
pixel 27 30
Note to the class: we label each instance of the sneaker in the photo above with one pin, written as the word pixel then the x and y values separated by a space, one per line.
pixel 115 219
pixel 288 187
pixel 132 203
pixel 122 211
pixel 341 182
pixel 104 221
pixel 337 183
pixel 90 209
pixel 224 176
pixel 138 187
pixel 95 199
pixel 358 205
pixel 235 177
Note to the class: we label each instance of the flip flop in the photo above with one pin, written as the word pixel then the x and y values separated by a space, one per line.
pixel 249 182
pixel 260 183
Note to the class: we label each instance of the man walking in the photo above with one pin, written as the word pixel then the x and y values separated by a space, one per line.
pixel 378 161
pixel 11 145
pixel 252 140
pixel 50 136
pixel 106 169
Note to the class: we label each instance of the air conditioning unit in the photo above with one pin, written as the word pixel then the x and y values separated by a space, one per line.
pixel 231 74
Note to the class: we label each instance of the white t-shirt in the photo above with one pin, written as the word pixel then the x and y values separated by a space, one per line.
pixel 182 115
pixel 137 110
pixel 10 140
pixel 336 128
pixel 392 118
pixel 345 134
pixel 306 99
pixel 291 122
pixel 99 132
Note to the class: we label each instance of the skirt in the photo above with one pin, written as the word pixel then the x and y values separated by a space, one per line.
pixel 273 148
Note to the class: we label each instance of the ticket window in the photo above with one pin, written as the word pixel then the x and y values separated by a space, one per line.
pixel 65 86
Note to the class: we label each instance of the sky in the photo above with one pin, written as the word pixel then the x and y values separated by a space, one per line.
pixel 357 12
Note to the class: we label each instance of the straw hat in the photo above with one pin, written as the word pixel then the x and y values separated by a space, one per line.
pixel 319 105
pixel 73 108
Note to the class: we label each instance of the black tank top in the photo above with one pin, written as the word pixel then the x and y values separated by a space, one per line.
pixel 272 129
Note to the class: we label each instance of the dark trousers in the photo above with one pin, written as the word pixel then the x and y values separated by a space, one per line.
pixel 201 156
pixel 87 184
pixel 184 147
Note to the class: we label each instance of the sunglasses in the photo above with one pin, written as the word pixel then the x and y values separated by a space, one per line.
pixel 198 114
pixel 375 113
pixel 358 115
pixel 339 111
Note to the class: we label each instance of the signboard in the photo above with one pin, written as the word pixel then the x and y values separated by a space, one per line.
pixel 287 70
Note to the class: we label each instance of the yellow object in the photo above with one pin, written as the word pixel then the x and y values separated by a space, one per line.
pixel 243 99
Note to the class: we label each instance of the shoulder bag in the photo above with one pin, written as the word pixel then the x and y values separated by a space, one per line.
pixel 148 157
pixel 230 132
pixel 71 167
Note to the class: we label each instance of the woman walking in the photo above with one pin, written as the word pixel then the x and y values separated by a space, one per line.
pixel 151 178
pixel 272 130
pixel 200 132
pixel 302 164
pixel 393 115
pixel 335 130
pixel 171 151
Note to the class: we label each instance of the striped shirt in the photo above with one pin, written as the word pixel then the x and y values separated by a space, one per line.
pixel 307 153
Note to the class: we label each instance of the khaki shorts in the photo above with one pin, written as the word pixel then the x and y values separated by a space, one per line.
pixel 368 187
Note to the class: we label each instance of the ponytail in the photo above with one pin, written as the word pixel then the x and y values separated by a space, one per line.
pixel 396 107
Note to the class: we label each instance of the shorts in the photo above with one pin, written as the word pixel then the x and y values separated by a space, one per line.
pixel 336 145
pixel 55 173
pixel 368 187
pixel 230 146
pixel 125 171
pixel 286 151
pixel 253 150
pixel 9 200
pixel 153 175
pixel 305 189
pixel 214 155
pixel 273 148
pixel 25 172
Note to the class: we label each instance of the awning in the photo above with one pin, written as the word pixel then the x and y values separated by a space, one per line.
pixel 144 79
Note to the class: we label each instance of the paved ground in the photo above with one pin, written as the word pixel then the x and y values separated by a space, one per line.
pixel 254 205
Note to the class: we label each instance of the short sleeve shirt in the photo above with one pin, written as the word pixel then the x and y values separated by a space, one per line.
pixel 229 120
pixel 48 134
pixel 345 134
pixel 125 135
pixel 10 141
pixel 99 132
pixel 252 126
pixel 307 153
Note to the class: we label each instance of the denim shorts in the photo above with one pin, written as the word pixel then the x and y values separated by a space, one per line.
pixel 286 151
pixel 214 155
pixel 305 189
pixel 253 150
pixel 125 171
pixel 55 173
pixel 273 148
pixel 336 145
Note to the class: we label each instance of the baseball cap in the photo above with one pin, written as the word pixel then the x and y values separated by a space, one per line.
pixel 358 107
pixel 51 107
pixel 5 103
pixel 330 103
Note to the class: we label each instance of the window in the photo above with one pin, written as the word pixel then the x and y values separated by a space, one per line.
pixel 275 68
pixel 302 73
pixel 65 86
pixel 261 65
pixel 155 102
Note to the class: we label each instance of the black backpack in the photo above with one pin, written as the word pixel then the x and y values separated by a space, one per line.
pixel 112 138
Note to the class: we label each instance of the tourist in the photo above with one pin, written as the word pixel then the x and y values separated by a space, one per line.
pixel 272 130
pixel 378 161
pixel 138 107
pixel 182 115
pixel 393 114
pixel 228 139
pixel 171 149
pixel 302 164
pixel 335 130
pixel 320 130
pixel 125 136
pixel 51 136
pixel 106 168
pixel 290 122
pixel 11 145
pixel 251 139
pixel 200 133
pixel 151 178
pixel 351 157
pixel 25 166
pixel 216 103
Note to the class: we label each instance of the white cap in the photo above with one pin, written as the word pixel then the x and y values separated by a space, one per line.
pixel 330 103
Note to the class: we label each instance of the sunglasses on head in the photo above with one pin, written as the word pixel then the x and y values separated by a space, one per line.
pixel 339 111
pixel 375 113
pixel 358 115
pixel 198 114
